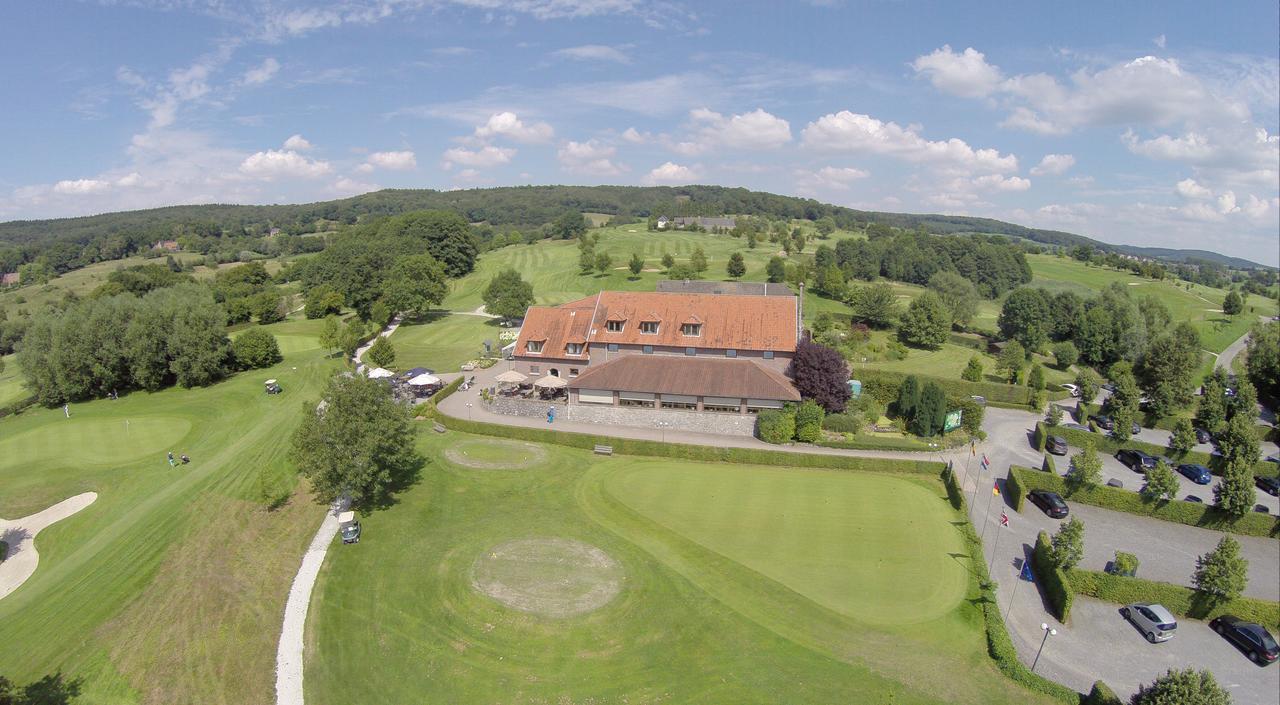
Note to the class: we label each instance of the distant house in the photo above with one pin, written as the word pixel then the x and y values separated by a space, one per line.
pixel 168 245
pixel 273 232
pixel 724 222
pixel 10 279
pixel 663 221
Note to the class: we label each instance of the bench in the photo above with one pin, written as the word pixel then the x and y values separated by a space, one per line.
pixel 439 427
pixel 603 450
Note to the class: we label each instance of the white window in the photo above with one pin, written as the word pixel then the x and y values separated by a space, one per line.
pixel 614 326
pixel 649 327
pixel 534 347
pixel 693 329
pixel 573 348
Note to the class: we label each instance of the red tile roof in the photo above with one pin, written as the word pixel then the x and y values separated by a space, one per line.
pixel 694 376
pixel 556 327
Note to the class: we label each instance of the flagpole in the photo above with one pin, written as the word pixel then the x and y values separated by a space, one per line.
pixel 1012 593
pixel 994 492
pixel 973 501
pixel 994 545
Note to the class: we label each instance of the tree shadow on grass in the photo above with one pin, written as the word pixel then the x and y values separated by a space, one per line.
pixel 402 479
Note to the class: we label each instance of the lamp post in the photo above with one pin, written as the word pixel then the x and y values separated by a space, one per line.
pixel 1047 633
pixel 663 425
pixel 468 411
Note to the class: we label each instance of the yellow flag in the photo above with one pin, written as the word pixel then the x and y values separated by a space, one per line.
pixel 995 490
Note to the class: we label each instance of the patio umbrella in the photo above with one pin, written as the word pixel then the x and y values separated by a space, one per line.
pixel 424 381
pixel 550 383
pixel 379 373
pixel 511 377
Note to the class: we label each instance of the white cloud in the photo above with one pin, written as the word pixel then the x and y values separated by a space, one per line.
pixel 754 130
pixel 261 74
pixel 635 136
pixel 965 74
pixel 590 157
pixel 297 143
pixel 481 157
pixel 999 182
pixel 1160 41
pixel 273 164
pixel 350 187
pixel 81 186
pixel 593 52
pixel 397 161
pixel 853 132
pixel 1243 149
pixel 671 173
pixel 828 178
pixel 508 124
pixel 129 180
pixel 1053 165
pixel 1189 188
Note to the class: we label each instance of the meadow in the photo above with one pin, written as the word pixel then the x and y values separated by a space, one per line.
pixel 443 341
pixel 734 584
pixel 171 587
pixel 11 389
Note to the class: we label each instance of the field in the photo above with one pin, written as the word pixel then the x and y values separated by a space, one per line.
pixel 579 579
pixel 444 341
pixel 11 389
pixel 171 587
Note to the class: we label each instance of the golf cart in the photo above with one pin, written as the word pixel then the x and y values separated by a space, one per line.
pixel 273 387
pixel 349 527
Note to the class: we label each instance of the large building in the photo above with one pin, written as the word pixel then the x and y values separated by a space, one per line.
pixel 704 352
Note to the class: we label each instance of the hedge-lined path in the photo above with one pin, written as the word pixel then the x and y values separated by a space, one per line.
pixel 20 534
pixel 385 333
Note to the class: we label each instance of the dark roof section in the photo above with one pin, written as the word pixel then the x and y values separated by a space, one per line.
pixel 690 286
pixel 694 376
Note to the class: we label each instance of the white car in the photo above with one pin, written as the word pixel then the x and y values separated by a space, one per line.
pixel 1154 621
pixel 1075 391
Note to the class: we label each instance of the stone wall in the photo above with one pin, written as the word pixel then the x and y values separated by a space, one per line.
pixel 673 419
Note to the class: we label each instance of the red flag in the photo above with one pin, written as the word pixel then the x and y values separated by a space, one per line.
pixel 984 459
pixel 995 489
pixel 1004 519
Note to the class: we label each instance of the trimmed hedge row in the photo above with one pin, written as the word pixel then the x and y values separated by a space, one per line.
pixel 1016 490
pixel 1190 513
pixel 1101 694
pixel 1049 465
pixel 1182 601
pixel 954 494
pixel 16 407
pixel 1054 580
pixel 1106 444
pixel 1040 436
pixel 1003 393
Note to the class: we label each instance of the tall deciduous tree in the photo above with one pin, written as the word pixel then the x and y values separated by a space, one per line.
pixel 1212 409
pixel 1160 484
pixel 1068 544
pixel 776 270
pixel 636 265
pixel 331 333
pixel 1089 383
pixel 1123 403
pixel 959 294
pixel 1263 358
pixel 255 348
pixel 1011 360
pixel 875 305
pixel 698 260
pixel 926 322
pixel 1222 573
pixel 820 374
pixel 1065 354
pixel 1025 317
pixel 1183 437
pixel 1086 469
pixel 1168 369
pixel 358 444
pixel 508 295
pixel 604 262
pixel 382 353
pixel 1232 304
pixel 415 284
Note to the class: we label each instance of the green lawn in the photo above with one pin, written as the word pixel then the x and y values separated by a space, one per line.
pixel 741 584
pixel 11 388
pixel 444 341
pixel 171 587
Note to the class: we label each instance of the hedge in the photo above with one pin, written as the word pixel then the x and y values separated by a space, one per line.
pixel 955 495
pixel 1040 436
pixel 1180 600
pixel 776 426
pixel 1101 694
pixel 871 442
pixel 1002 393
pixel 1016 490
pixel 1049 465
pixel 1054 580
pixel 16 407
pixel 1106 444
pixel 1190 513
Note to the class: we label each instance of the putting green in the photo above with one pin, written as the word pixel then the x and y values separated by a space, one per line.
pixel 97 440
pixel 871 547
pixel 552 577
pixel 491 454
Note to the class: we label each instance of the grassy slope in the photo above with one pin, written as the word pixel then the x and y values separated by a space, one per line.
pixel 11 388
pixel 171 587
pixel 443 342
pixel 397 614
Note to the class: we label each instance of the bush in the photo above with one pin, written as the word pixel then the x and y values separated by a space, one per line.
pixel 1049 466
pixel 255 348
pixel 1040 436
pixel 1180 600
pixel 776 427
pixel 1002 393
pixel 1016 490
pixel 1179 512
pixel 1066 354
pixel 1124 564
pixel 1056 584
pixel 848 422
pixel 382 353
pixel 1101 694
pixel 809 421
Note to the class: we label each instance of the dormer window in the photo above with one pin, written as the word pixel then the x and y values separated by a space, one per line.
pixel 691 329
pixel 534 346
pixel 573 348
pixel 649 327
pixel 615 326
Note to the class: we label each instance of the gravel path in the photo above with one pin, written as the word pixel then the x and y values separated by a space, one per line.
pixel 20 534
pixel 289 652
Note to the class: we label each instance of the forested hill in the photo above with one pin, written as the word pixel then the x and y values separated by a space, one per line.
pixel 518 207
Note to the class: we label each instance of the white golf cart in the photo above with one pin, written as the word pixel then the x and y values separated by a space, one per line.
pixel 273 387
pixel 348 527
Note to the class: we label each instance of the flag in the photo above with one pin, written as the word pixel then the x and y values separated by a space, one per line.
pixel 984 459
pixel 995 490
pixel 1004 519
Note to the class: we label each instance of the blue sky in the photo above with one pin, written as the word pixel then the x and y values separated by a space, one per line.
pixel 1147 124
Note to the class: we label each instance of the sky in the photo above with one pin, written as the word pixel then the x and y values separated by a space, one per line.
pixel 1142 123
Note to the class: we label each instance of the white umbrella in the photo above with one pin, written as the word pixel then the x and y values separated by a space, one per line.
pixel 511 377
pixel 424 380
pixel 379 373
pixel 550 383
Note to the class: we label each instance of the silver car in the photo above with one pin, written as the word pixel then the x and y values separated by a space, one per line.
pixel 1154 621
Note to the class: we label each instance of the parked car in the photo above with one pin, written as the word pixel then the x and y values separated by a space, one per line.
pixel 979 400
pixel 1056 445
pixel 1136 460
pixel 1193 499
pixel 1075 391
pixel 1253 639
pixel 1198 474
pixel 1154 621
pixel 1104 422
pixel 1273 458
pixel 1050 502
pixel 1203 436
pixel 1270 485
pixel 1109 386
pixel 1075 427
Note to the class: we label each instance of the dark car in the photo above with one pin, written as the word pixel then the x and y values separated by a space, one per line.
pixel 1050 502
pixel 1056 445
pixel 1193 499
pixel 1198 474
pixel 1104 422
pixel 1270 485
pixel 1253 639
pixel 1203 436
pixel 1136 460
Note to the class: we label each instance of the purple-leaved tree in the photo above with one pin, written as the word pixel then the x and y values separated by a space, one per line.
pixel 820 374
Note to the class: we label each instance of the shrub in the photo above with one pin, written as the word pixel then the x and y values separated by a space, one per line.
pixel 382 353
pixel 1016 490
pixel 1040 436
pixel 1049 466
pixel 808 421
pixel 1124 564
pixel 1101 694
pixel 1066 354
pixel 777 427
pixel 848 422
pixel 255 348
pixel 1056 584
